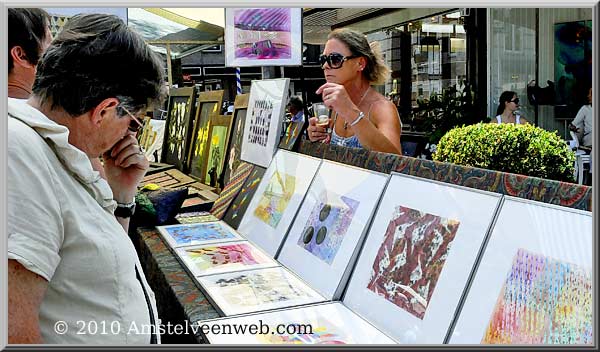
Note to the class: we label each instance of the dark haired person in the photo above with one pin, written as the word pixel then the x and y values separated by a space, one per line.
pixel 28 37
pixel 71 263
pixel 507 109
pixel 362 118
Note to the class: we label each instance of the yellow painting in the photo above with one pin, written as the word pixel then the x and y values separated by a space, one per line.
pixel 276 198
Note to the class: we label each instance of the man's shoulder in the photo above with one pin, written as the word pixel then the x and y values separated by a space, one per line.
pixel 24 140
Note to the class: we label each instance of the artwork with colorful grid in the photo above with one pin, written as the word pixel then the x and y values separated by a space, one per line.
pixel 543 301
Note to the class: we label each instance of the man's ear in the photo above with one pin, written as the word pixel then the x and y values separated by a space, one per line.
pixel 19 57
pixel 103 110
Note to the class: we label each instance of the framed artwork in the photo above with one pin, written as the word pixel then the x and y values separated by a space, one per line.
pixel 231 190
pixel 277 199
pixel 209 104
pixel 415 264
pixel 327 324
pixel 195 217
pixel 232 156
pixel 178 127
pixel 572 64
pixel 222 258
pixel 266 108
pixel 263 37
pixel 330 226
pixel 257 290
pixel 234 214
pixel 202 233
pixel 218 137
pixel 172 178
pixel 291 137
pixel 534 282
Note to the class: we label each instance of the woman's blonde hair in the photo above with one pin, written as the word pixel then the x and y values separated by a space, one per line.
pixel 375 71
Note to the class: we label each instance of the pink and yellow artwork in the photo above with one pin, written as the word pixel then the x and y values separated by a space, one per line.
pixel 542 301
pixel 275 198
pixel 319 334
pixel 411 258
pixel 232 256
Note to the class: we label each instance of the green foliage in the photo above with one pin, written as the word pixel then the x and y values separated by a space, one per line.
pixel 519 149
pixel 455 106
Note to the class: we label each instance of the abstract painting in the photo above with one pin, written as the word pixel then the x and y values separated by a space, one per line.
pixel 266 108
pixel 572 64
pixel 178 126
pixel 209 104
pixel 542 301
pixel 191 234
pixel 256 290
pixel 292 133
pixel 323 324
pixel 411 258
pixel 533 284
pixel 239 205
pixel 275 199
pixel 326 227
pixel 263 37
pixel 240 107
pixel 219 138
pixel 228 257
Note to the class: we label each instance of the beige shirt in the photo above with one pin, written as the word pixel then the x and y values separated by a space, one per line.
pixel 61 226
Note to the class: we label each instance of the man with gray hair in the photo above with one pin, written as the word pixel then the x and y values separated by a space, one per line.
pixel 73 273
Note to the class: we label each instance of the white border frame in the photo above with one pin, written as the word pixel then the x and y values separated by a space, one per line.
pixel 310 314
pixel 163 230
pixel 296 29
pixel 277 91
pixel 195 271
pixel 475 225
pixel 497 259
pixel 362 185
pixel 216 296
pixel 304 169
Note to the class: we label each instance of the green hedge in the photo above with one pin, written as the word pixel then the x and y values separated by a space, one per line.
pixel 519 149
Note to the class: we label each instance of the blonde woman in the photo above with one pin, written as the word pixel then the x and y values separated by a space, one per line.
pixel 361 117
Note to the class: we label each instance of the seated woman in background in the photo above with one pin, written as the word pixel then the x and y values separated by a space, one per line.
pixel 507 107
pixel 361 117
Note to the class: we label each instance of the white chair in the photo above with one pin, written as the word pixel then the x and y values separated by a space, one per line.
pixel 581 158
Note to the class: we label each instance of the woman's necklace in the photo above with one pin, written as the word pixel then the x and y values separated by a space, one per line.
pixel 358 105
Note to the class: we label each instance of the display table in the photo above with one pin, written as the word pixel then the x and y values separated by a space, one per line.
pixel 177 296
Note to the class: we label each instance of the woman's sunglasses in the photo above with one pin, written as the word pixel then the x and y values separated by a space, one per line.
pixel 516 101
pixel 334 60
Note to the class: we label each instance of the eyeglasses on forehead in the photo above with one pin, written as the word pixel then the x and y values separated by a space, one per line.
pixel 335 60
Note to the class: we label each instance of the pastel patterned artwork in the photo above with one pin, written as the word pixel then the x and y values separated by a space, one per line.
pixel 275 198
pixel 197 233
pixel 411 258
pixel 542 301
pixel 326 227
pixel 258 288
pixel 233 256
pixel 322 333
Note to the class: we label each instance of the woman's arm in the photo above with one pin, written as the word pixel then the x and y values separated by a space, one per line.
pixel 381 132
